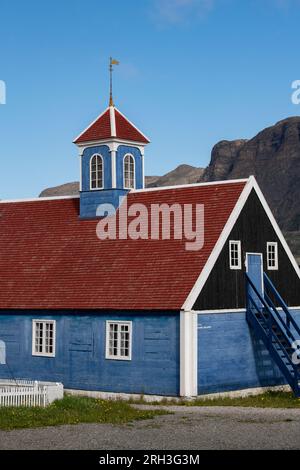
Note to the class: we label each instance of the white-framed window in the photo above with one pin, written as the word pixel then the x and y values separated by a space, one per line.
pixel 129 171
pixel 96 172
pixel 272 256
pixel 235 254
pixel 118 340
pixel 43 337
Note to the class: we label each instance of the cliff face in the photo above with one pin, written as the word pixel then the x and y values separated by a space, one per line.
pixel 273 157
pixel 223 157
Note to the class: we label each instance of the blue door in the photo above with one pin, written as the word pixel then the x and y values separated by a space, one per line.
pixel 254 265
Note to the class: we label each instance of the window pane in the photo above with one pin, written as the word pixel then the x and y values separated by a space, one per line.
pixel 272 256
pixel 118 340
pixel 43 338
pixel 96 175
pixel 129 172
pixel 235 255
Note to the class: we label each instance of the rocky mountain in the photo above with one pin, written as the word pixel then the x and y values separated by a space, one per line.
pixel 183 174
pixel 272 156
pixel 67 189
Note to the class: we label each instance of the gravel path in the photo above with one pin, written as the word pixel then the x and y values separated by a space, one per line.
pixel 189 428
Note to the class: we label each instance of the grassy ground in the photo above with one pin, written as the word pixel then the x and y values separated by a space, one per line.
pixel 73 410
pixel 266 400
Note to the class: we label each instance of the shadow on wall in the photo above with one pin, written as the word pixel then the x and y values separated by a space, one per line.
pixel 267 371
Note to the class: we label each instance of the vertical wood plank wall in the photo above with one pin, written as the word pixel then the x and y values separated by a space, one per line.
pixel 80 352
pixel 225 288
pixel 230 358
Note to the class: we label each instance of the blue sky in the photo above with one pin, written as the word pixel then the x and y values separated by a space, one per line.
pixel 192 72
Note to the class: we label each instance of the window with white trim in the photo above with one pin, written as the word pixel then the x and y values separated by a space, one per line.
pixel 118 340
pixel 96 172
pixel 43 337
pixel 235 254
pixel 129 172
pixel 272 256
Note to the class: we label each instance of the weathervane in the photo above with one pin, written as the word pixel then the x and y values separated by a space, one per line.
pixel 111 63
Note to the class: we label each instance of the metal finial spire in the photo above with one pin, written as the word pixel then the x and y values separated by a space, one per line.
pixel 111 63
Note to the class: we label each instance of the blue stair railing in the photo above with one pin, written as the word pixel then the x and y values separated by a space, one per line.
pixel 289 319
pixel 274 329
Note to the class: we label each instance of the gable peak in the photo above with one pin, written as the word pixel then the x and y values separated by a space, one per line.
pixel 111 123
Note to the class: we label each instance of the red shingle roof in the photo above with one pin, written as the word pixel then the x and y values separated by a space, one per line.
pixel 103 128
pixel 49 259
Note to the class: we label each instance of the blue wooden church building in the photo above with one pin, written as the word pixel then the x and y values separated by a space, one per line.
pixel 146 316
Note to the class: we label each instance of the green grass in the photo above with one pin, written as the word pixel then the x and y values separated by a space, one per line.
pixel 265 400
pixel 73 410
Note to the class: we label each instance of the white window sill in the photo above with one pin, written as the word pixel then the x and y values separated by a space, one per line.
pixel 118 358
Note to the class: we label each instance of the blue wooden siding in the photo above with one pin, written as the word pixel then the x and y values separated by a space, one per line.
pixel 121 152
pixel 138 159
pixel 80 352
pixel 91 199
pixel 102 150
pixel 230 358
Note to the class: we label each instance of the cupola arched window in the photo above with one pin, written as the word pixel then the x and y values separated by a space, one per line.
pixel 96 172
pixel 129 172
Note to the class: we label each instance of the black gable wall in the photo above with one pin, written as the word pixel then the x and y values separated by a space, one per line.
pixel 225 288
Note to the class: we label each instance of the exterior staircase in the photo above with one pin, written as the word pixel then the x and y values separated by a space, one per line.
pixel 277 329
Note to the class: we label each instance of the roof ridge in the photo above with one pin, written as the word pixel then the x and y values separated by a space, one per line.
pixel 191 185
pixel 131 123
pixel 90 125
pixel 134 191
pixel 112 119
pixel 114 125
pixel 38 199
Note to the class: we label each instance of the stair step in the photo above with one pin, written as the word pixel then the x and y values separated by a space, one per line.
pixel 283 341
pixel 277 331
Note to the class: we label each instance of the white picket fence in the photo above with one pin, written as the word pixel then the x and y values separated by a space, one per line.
pixel 28 393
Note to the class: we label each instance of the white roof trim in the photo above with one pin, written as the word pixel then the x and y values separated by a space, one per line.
pixel 162 188
pixel 276 226
pixel 108 141
pixel 112 124
pixel 38 199
pixel 192 185
pixel 112 121
pixel 228 311
pixel 90 125
pixel 199 284
pixel 133 125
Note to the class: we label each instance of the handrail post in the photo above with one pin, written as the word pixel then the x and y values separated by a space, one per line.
pixel 270 332
pixel 247 296
pixel 289 320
